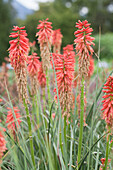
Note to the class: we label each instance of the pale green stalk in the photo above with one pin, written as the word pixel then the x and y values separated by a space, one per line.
pixel 30 133
pixel 107 151
pixel 81 121
pixel 48 90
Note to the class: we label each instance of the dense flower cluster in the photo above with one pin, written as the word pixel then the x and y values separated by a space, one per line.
pixel 45 38
pixel 41 76
pixel 18 50
pixel 12 121
pixel 57 41
pixel 64 66
pixel 83 43
pixel 33 68
pixel 108 101
pixel 45 31
pixel 33 64
pixel 2 143
pixel 18 53
pixel 91 66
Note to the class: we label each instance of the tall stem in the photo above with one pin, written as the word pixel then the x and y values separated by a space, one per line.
pixel 65 124
pixel 107 152
pixel 30 134
pixel 81 121
pixel 48 89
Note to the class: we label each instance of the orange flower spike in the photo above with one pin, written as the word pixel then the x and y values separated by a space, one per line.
pixel 41 76
pixel 57 41
pixel 45 40
pixel 91 67
pixel 64 66
pixel 18 50
pixel 45 31
pixel 33 64
pixel 33 68
pixel 18 53
pixel 12 124
pixel 108 102
pixel 2 144
pixel 83 43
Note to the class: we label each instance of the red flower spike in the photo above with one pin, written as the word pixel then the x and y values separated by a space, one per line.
pixel 91 67
pixel 45 38
pixel 18 50
pixel 12 124
pixel 33 68
pixel 57 40
pixel 33 64
pixel 64 66
pixel 2 144
pixel 41 76
pixel 83 43
pixel 18 53
pixel 108 101
pixel 45 31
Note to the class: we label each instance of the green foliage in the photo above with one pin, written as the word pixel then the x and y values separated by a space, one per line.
pixel 106 45
pixel 5 28
pixel 50 154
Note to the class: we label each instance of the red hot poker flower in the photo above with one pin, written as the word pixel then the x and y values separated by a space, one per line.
pixel 18 53
pixel 57 41
pixel 12 124
pixel 108 101
pixel 83 43
pixel 2 144
pixel 33 68
pixel 18 50
pixel 33 64
pixel 45 33
pixel 68 50
pixel 64 66
pixel 91 67
pixel 44 38
pixel 41 76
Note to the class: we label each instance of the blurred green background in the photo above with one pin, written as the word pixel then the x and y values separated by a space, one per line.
pixel 63 14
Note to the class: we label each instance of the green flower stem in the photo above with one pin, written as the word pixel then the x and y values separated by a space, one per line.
pixel 81 121
pixel 44 99
pixel 48 89
pixel 65 124
pixel 37 110
pixel 60 140
pixel 33 109
pixel 30 134
pixel 107 151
